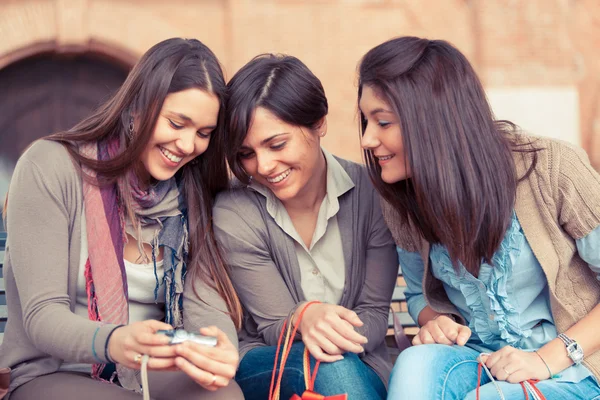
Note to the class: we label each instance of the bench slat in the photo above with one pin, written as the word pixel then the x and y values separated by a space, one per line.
pixel 405 319
pixel 1 285
pixel 3 313
pixel 1 337
pixel 399 293
pixel 2 256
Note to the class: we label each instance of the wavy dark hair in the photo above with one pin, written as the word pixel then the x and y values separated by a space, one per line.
pixel 170 66
pixel 462 188
pixel 279 83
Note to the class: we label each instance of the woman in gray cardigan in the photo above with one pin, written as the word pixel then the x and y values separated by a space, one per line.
pixel 98 247
pixel 305 226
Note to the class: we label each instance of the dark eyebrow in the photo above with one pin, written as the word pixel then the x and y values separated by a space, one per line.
pixel 191 121
pixel 267 140
pixel 378 110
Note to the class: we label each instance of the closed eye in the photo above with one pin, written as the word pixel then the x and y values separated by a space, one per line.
pixel 383 124
pixel 174 125
pixel 278 146
pixel 204 135
pixel 245 155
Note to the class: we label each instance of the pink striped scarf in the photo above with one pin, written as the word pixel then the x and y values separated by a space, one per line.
pixel 106 280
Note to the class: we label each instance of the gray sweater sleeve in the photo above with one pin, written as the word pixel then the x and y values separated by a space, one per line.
pixel 255 275
pixel 204 307
pixel 39 239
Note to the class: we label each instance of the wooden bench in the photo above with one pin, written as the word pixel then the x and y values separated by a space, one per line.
pixel 400 308
pixel 3 309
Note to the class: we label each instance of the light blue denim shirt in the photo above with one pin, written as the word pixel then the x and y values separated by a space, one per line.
pixel 507 304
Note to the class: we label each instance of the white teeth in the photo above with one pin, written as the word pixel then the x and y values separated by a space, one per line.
pixel 170 155
pixel 280 177
pixel 384 158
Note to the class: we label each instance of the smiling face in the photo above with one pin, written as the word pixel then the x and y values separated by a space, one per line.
pixel 182 133
pixel 383 136
pixel 285 158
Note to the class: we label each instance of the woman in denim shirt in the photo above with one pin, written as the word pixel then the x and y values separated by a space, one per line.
pixel 497 233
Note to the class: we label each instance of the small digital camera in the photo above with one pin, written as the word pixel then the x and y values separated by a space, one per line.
pixel 180 336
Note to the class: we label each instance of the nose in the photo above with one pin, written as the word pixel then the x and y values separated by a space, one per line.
pixel 369 140
pixel 265 163
pixel 185 142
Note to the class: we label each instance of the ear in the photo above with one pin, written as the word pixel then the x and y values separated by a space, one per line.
pixel 321 127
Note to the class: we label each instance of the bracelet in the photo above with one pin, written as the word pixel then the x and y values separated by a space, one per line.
pixel 545 363
pixel 94 344
pixel 106 344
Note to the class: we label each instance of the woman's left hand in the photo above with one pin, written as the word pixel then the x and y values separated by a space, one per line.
pixel 514 365
pixel 211 367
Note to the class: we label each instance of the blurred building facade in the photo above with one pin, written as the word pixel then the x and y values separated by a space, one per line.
pixel 538 59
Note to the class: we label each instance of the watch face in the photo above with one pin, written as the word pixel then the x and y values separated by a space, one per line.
pixel 575 352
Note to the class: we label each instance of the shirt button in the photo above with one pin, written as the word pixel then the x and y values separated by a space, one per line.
pixel 315 271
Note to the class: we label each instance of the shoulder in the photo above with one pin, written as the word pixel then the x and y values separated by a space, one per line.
pixel 238 205
pixel 236 198
pixel 49 160
pixel 553 155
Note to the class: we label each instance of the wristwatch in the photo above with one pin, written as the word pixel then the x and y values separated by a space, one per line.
pixel 574 351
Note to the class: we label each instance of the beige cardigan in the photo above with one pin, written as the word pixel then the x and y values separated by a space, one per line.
pixel 558 203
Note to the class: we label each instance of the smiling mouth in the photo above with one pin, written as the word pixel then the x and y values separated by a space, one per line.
pixel 172 157
pixel 280 177
pixel 385 158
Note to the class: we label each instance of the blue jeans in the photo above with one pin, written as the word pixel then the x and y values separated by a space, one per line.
pixel 350 375
pixel 441 372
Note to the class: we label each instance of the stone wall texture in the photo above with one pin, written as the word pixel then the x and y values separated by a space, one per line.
pixel 511 43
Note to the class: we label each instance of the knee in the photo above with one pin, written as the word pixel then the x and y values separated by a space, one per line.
pixel 415 358
pixel 345 367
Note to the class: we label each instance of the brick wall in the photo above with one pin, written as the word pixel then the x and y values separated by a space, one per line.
pixel 513 44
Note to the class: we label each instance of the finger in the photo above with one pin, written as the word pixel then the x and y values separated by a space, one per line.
pixel 319 355
pixel 325 344
pixel 154 351
pixel 349 316
pixel 151 339
pixel 205 363
pixel 203 378
pixel 416 340
pixel 464 334
pixel 450 330
pixel 496 357
pixel 518 376
pixel 222 338
pixel 227 355
pixel 333 334
pixel 501 370
pixel 157 325
pixel 425 336
pixel 134 362
pixel 438 335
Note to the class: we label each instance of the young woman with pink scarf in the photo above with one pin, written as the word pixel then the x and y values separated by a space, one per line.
pixel 110 240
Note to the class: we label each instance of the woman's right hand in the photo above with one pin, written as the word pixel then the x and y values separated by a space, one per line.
pixel 442 330
pixel 328 331
pixel 140 338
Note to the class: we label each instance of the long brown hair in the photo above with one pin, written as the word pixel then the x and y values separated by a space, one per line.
pixel 462 188
pixel 170 66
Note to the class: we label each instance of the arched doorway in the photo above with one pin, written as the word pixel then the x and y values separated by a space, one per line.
pixel 45 94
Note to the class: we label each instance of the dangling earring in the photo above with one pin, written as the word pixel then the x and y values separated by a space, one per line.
pixel 131 130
